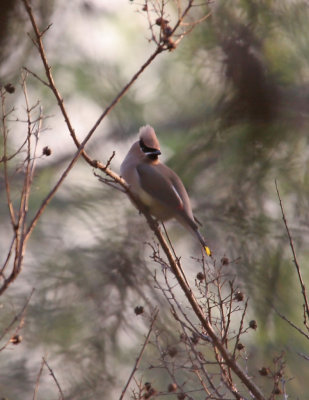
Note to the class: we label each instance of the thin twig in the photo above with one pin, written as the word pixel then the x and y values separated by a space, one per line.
pixel 5 159
pixel 38 378
pixel 302 285
pixel 139 357
pixel 54 378
pixel 20 317
pixel 292 324
pixel 36 76
pixel 240 329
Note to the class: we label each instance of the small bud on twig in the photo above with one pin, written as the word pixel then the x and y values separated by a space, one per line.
pixel 16 339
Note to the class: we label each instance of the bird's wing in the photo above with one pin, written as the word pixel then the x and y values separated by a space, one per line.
pixel 159 186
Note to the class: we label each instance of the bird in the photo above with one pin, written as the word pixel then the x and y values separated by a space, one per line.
pixel 157 186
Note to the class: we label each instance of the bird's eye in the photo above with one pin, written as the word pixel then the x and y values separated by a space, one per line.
pixel 143 147
pixel 149 151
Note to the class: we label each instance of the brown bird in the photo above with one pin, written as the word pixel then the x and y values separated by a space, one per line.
pixel 157 186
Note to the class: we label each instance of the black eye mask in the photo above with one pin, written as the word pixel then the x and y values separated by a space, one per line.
pixel 149 151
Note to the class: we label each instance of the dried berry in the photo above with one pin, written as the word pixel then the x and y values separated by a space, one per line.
pixel 9 88
pixel 139 310
pixel 161 22
pixel 200 276
pixel 225 261
pixel 167 31
pixel 240 346
pixel 172 387
pixel 147 386
pixel 46 151
pixel 239 296
pixel 264 371
pixel 172 351
pixel 253 324
pixel 181 396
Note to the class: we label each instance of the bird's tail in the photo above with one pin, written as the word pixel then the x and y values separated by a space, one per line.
pixel 203 243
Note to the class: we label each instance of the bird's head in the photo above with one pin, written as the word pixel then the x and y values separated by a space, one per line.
pixel 148 142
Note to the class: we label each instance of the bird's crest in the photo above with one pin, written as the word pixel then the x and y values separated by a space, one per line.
pixel 148 136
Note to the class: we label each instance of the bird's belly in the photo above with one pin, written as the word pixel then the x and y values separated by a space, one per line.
pixel 156 208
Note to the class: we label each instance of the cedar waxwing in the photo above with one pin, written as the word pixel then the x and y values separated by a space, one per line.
pixel 156 185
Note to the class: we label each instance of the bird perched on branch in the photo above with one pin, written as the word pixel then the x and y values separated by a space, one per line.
pixel 156 185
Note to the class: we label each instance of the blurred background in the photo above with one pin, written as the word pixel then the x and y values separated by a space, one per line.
pixel 230 107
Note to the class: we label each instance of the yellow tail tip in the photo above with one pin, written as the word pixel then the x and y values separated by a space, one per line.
pixel 208 252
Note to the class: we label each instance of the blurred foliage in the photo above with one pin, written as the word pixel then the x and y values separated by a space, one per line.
pixel 230 107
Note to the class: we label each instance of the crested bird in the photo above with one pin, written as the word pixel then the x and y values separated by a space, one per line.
pixel 157 186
